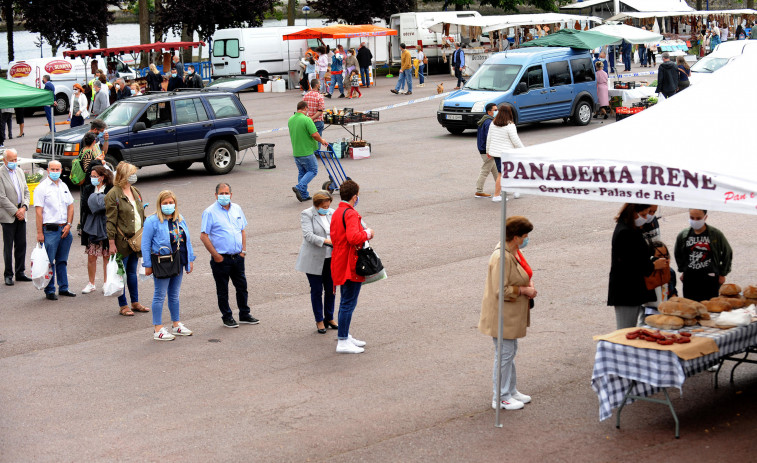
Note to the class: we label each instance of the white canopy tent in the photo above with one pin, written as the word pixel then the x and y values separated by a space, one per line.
pixel 628 33
pixel 665 14
pixel 638 5
pixel 497 22
pixel 712 169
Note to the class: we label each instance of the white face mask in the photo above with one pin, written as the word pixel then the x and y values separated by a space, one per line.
pixel 697 224
pixel 650 218
pixel 640 221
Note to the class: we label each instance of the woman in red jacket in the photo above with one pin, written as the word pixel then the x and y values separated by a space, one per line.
pixel 347 236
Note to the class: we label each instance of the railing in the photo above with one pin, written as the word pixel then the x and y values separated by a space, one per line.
pixel 203 68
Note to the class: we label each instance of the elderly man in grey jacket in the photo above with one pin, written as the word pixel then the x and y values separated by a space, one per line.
pixel 102 100
pixel 14 204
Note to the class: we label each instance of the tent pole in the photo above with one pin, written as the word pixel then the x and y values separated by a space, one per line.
pixel 52 129
pixel 501 308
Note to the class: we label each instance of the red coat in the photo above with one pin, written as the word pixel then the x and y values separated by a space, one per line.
pixel 346 243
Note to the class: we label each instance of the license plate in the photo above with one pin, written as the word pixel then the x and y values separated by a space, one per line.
pixel 454 117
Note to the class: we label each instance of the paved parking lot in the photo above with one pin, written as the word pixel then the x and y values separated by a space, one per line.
pixel 81 383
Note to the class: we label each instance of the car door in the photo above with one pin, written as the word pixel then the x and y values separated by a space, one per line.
pixel 229 117
pixel 560 94
pixel 192 126
pixel 533 103
pixel 156 144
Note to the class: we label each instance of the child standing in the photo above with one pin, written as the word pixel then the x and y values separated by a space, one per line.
pixel 355 82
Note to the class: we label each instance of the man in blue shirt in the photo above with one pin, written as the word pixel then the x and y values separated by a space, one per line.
pixel 224 236
pixel 49 109
pixel 458 62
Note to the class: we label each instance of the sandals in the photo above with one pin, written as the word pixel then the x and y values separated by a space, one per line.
pixel 137 307
pixel 125 311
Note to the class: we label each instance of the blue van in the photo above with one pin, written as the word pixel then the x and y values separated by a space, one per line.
pixel 540 83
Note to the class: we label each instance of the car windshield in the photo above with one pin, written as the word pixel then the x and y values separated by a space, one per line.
pixel 121 113
pixel 494 77
pixel 709 64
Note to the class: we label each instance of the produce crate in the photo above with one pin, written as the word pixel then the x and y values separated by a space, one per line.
pixel 616 101
pixel 372 116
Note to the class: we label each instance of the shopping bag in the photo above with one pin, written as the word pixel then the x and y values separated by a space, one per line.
pixel 114 285
pixel 42 271
pixel 376 277
pixel 141 271
pixel 77 175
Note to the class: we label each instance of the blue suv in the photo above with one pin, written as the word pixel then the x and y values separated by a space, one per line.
pixel 175 129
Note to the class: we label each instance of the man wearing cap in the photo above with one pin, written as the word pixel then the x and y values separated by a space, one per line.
pixel 14 203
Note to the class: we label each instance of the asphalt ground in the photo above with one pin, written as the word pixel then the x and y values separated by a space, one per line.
pixel 78 382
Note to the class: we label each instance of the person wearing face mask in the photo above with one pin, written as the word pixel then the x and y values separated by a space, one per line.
pixel 166 233
pixel 78 107
pixel 94 236
pixel 350 64
pixel 123 91
pixel 632 259
pixel 14 203
pixel 175 81
pixel 347 235
pixel 519 294
pixel 703 257
pixel 54 207
pixel 193 80
pixel 489 165
pixel 314 259
pixel 224 236
pixel 125 215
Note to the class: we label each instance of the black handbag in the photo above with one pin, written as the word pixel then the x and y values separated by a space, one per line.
pixel 166 266
pixel 368 263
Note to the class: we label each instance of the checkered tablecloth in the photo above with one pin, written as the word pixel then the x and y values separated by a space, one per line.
pixel 616 366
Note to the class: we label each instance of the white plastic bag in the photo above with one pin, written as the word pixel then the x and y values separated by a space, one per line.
pixel 141 271
pixel 42 271
pixel 114 286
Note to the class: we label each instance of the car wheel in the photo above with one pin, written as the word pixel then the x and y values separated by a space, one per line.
pixel 582 115
pixel 179 166
pixel 111 162
pixel 61 104
pixel 455 130
pixel 263 76
pixel 220 158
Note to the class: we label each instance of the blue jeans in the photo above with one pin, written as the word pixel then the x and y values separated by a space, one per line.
pixel 307 169
pixel 231 267
pixel 365 78
pixel 319 126
pixel 130 265
pixel 49 116
pixel 406 76
pixel 642 55
pixel 350 290
pixel 322 286
pixel 421 70
pixel 57 249
pixel 337 79
pixel 163 286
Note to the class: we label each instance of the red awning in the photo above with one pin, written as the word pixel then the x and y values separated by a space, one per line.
pixel 340 31
pixel 132 49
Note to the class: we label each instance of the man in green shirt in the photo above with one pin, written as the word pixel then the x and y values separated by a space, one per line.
pixel 305 139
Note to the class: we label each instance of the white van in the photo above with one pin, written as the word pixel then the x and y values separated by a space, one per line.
pixel 411 31
pixel 63 72
pixel 259 51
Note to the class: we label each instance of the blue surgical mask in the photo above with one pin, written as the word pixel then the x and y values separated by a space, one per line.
pixel 224 200
pixel 12 165
pixel 524 244
pixel 95 181
pixel 323 211
pixel 173 75
pixel 168 209
pixel 357 198
pixel 54 176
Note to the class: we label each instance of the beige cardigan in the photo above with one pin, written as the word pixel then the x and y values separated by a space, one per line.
pixel 516 314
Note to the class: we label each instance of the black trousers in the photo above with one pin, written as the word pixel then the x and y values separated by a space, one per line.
pixel 700 286
pixel 232 268
pixel 6 119
pixel 14 234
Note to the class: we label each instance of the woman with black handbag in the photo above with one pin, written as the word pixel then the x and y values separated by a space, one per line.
pixel 347 237
pixel 166 237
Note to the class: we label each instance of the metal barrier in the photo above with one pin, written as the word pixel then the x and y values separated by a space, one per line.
pixel 204 68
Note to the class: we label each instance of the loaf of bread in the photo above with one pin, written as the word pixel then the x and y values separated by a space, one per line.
pixel 730 290
pixel 697 305
pixel 716 306
pixel 750 292
pixel 678 309
pixel 734 302
pixel 664 322
pixel 690 321
pixel 704 316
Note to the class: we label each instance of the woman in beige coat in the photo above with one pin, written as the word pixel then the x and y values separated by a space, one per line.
pixel 519 293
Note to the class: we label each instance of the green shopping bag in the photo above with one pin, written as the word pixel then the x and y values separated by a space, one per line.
pixel 77 173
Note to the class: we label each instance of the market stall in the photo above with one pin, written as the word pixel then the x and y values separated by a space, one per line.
pixel 352 122
pixel 687 176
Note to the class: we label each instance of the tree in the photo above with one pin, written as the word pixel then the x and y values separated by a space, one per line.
pixel 67 22
pixel 144 27
pixel 7 6
pixel 360 11
pixel 205 16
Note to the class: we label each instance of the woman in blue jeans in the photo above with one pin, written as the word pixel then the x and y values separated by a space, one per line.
pixel 166 233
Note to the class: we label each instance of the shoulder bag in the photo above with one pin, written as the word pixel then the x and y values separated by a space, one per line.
pixel 169 265
pixel 368 263
pixel 658 278
pixel 135 242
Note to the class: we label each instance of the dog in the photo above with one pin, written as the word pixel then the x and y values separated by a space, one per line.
pixel 440 88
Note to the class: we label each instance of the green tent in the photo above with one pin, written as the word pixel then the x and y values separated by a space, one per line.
pixel 15 95
pixel 573 38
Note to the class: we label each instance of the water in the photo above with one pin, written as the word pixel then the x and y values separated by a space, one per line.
pixel 25 42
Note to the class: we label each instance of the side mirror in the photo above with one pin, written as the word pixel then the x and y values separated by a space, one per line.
pixel 521 88
pixel 139 126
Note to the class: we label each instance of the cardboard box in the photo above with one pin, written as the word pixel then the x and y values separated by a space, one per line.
pixel 360 153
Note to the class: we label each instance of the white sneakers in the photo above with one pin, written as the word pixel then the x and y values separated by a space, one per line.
pixel 497 199
pixel 88 289
pixel 345 346
pixel 354 341
pixel 514 403
pixel 522 397
pixel 163 335
pixel 182 330
pixel 516 195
